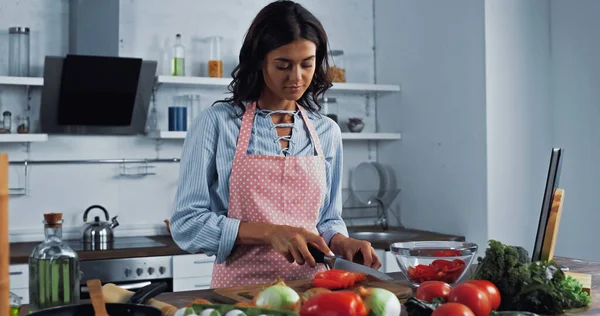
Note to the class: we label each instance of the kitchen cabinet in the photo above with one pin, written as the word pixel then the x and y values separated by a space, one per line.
pixel 390 263
pixel 192 272
pixel 19 281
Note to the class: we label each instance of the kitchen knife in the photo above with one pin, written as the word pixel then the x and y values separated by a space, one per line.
pixel 339 263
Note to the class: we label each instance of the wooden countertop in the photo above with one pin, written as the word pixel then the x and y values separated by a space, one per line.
pixel 19 252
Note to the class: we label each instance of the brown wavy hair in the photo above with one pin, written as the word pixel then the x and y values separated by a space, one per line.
pixel 277 24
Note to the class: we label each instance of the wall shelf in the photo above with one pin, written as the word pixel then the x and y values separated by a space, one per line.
pixel 21 81
pixel 224 82
pixel 345 136
pixel 23 138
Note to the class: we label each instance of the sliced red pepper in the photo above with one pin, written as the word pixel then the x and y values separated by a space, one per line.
pixel 447 253
pixel 327 284
pixel 346 279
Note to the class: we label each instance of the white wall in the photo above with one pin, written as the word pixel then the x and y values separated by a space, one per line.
pixel 519 116
pixel 147 30
pixel 576 96
pixel 435 50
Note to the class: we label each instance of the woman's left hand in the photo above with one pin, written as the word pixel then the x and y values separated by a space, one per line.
pixel 358 251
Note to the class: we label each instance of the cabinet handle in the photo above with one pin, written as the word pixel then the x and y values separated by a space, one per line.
pixel 198 285
pixel 201 261
pixel 16 273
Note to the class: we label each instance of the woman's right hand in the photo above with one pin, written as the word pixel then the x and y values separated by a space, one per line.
pixel 292 242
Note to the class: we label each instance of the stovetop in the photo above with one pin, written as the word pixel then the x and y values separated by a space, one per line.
pixel 118 243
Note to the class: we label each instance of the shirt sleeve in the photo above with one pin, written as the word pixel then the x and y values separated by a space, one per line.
pixel 330 218
pixel 194 226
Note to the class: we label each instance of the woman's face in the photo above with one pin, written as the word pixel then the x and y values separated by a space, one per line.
pixel 288 70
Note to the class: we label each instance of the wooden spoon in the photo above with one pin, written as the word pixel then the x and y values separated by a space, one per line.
pixel 95 288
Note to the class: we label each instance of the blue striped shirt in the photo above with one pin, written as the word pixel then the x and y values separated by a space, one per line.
pixel 199 221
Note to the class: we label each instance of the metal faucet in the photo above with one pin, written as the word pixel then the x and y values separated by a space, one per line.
pixel 382 215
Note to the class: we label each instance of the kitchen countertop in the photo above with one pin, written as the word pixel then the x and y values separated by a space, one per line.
pixel 19 252
pixel 180 299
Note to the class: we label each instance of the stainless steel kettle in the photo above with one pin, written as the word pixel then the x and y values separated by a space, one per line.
pixel 98 232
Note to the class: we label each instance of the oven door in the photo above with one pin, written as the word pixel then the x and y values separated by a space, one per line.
pixel 130 286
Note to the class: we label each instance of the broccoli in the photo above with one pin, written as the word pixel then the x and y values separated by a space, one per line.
pixel 523 254
pixel 537 287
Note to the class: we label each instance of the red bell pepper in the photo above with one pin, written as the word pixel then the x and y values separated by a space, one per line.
pixel 337 279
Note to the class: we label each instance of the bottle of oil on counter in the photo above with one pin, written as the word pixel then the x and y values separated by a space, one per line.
pixel 54 273
pixel 178 62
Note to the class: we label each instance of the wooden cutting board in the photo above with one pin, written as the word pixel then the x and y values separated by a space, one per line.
pixel 247 293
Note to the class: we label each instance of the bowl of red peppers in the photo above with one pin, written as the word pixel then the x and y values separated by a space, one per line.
pixel 446 261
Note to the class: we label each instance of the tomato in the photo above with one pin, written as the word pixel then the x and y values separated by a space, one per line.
pixel 429 290
pixel 473 297
pixel 343 303
pixel 491 290
pixel 452 309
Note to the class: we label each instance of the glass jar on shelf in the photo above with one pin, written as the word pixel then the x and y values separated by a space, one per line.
pixel 6 122
pixel 215 62
pixel 337 66
pixel 23 127
pixel 18 51
pixel 54 273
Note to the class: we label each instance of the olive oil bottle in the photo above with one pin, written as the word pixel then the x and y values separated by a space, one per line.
pixel 54 273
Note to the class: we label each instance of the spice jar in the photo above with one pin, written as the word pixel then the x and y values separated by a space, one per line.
pixel 23 127
pixel 6 123
pixel 215 63
pixel 337 66
pixel 18 51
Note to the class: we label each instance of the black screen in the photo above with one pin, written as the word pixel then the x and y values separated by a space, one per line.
pixel 98 90
pixel 551 186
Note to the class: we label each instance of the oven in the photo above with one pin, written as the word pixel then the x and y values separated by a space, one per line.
pixel 128 273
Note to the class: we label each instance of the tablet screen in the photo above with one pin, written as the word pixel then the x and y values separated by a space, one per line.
pixel 551 185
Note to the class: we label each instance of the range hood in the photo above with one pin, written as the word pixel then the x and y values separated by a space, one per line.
pixel 92 90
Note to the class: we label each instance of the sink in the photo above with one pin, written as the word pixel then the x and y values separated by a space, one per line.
pixel 389 235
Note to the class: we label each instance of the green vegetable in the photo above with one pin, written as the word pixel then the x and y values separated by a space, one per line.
pixel 417 307
pixel 537 287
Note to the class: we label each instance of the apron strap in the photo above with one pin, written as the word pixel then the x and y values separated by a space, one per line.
pixel 241 149
pixel 312 132
pixel 246 130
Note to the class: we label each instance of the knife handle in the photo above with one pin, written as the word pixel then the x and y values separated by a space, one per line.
pixel 316 253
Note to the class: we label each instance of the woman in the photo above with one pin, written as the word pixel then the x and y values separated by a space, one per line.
pixel 260 175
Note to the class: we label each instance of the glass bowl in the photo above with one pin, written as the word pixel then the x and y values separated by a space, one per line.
pixel 446 261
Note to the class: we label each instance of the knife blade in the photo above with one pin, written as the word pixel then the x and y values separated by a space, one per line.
pixel 339 263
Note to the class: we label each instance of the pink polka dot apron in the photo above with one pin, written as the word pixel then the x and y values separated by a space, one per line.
pixel 271 189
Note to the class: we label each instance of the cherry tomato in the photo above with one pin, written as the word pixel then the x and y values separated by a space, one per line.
pixel 491 290
pixel 473 297
pixel 452 309
pixel 429 290
pixel 343 303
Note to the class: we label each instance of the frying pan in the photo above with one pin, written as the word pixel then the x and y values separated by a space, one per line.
pixel 133 306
